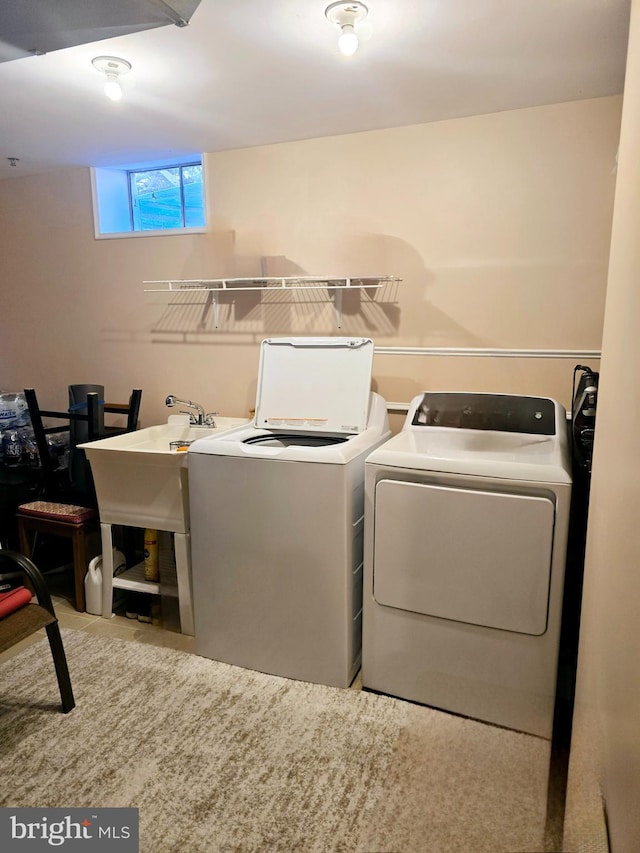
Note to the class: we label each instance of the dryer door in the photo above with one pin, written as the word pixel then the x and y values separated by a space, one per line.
pixel 478 557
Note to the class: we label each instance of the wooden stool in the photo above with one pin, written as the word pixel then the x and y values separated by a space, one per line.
pixel 66 520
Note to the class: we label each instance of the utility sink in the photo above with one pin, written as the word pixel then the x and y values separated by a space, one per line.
pixel 141 481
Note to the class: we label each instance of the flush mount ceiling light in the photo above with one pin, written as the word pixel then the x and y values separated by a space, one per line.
pixel 345 16
pixel 113 68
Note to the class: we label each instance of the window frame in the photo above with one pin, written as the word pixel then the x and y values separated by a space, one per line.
pixel 125 172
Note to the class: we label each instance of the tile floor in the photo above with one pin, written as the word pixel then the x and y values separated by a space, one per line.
pixel 118 626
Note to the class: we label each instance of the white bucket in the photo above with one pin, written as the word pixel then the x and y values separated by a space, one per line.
pixel 93 581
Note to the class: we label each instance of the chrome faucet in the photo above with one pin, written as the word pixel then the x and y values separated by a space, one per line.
pixel 200 420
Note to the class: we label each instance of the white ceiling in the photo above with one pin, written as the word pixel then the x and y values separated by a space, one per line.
pixel 252 72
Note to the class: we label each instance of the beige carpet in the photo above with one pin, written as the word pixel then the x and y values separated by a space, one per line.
pixel 219 758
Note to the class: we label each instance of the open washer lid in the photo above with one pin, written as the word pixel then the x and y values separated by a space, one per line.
pixel 314 384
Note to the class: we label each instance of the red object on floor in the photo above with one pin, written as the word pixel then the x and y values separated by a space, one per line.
pixel 14 600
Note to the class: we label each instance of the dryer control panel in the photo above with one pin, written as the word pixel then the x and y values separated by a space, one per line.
pixel 498 412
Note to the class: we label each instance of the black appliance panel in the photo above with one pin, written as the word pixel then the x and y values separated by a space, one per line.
pixel 499 412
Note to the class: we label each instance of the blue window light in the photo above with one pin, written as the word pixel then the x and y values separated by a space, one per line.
pixel 152 199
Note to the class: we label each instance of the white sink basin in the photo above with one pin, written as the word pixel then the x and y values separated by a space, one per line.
pixel 157 439
pixel 140 481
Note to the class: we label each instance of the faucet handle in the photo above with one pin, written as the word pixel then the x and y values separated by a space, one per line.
pixel 209 419
pixel 192 418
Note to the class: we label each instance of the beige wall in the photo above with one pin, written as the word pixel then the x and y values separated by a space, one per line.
pixel 606 747
pixel 498 226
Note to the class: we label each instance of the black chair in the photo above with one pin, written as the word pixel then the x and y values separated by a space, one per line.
pixel 64 510
pixel 130 409
pixel 80 430
pixel 68 505
pixel 31 617
pixel 57 481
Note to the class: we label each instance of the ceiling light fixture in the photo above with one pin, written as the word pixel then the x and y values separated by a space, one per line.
pixel 345 16
pixel 113 68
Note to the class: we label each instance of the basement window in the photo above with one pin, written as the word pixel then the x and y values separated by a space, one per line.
pixel 153 199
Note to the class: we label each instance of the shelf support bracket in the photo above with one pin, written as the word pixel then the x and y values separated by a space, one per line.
pixel 338 306
pixel 212 299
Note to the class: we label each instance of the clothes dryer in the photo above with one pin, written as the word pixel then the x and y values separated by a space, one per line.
pixel 277 520
pixel 466 518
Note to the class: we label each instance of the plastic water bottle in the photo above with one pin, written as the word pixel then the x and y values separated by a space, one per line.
pixel 14 411
pixel 30 448
pixel 93 581
pixel 12 446
pixel 93 587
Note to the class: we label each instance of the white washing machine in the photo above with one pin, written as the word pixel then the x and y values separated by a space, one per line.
pixel 466 517
pixel 277 515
